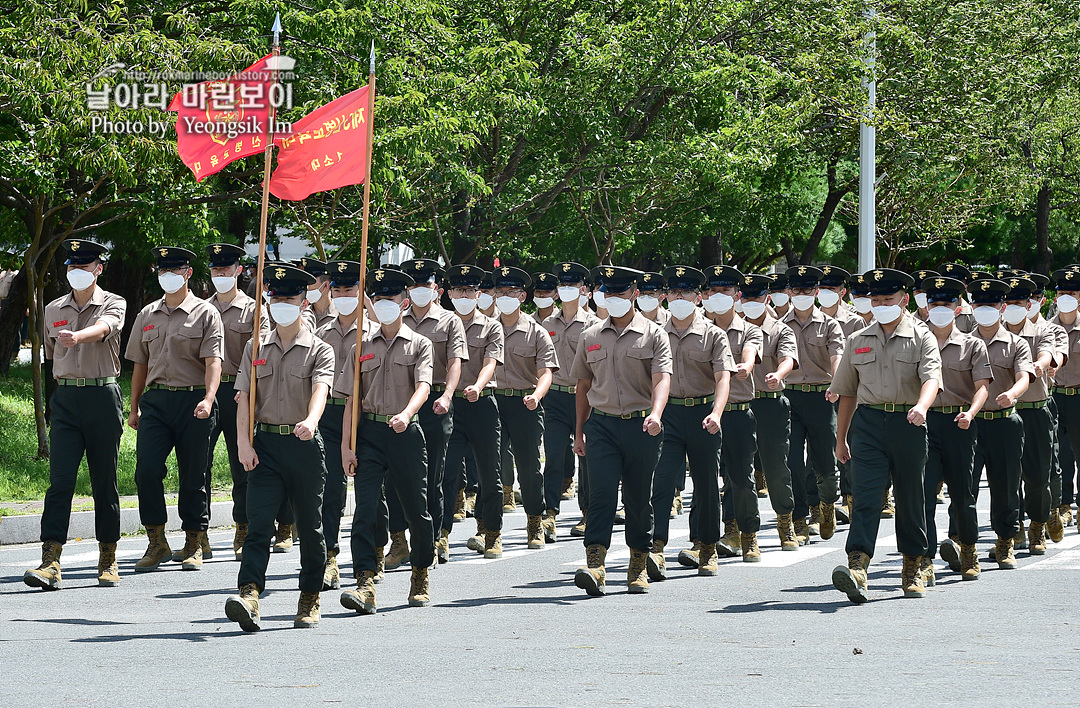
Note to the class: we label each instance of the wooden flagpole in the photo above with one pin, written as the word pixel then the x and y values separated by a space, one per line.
pixel 257 330
pixel 363 248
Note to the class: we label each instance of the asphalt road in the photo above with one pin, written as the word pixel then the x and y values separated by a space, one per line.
pixel 516 632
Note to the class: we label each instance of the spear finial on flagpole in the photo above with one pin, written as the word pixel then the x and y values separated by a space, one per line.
pixel 277 29
pixel 371 66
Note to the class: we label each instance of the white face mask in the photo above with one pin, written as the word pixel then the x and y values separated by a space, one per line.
pixel 284 313
pixel 778 299
pixel 681 309
pixel 753 310
pixel 422 297
pixel 171 282
pixel 942 316
pixel 346 305
pixel 738 307
pixel 986 315
pixel 224 283
pixel 920 300
pixel 827 298
pixel 719 303
pixel 1014 314
pixel 80 279
pixel 862 304
pixel 464 305
pixel 543 302
pixel 484 301
pixel 802 302
pixel 617 306
pixel 507 305
pixel 567 294
pixel 583 301
pixel 1066 303
pixel 1034 309
pixel 599 299
pixel 887 314
pixel 647 303
pixel 313 296
pixel 386 311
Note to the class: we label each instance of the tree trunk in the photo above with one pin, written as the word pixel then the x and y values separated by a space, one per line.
pixel 1044 255
pixel 828 208
pixel 11 319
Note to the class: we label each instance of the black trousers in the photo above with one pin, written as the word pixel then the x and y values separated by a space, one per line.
pixel 168 423
pixel 950 458
pixel 506 462
pixel 737 468
pixel 476 426
pixel 87 420
pixel 813 431
pixel 999 450
pixel 337 484
pixel 523 432
pixel 225 424
pixel 1036 461
pixel 560 422
pixel 773 416
pixel 437 430
pixel 383 454
pixel 294 469
pixel 687 442
pixel 619 450
pixel 1068 415
pixel 886 446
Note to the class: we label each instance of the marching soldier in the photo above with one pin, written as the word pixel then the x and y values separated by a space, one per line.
pixel 294 372
pixel 82 338
pixel 652 295
pixel 543 295
pixel 485 302
pixel 891 370
pixel 177 347
pixel 779 295
pixel 318 293
pixel 522 382
pixel 860 299
pixel 950 425
pixel 623 372
pixel 560 408
pixel 920 296
pixel 702 368
pixel 395 381
pixel 1067 380
pixel 965 321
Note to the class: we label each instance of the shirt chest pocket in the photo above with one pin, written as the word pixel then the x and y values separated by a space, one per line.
pixel 262 371
pixel 864 361
pixel 699 356
pixel 438 337
pixel 185 341
pixel 640 355
pixel 152 340
pixel 959 365
pixel 524 351
pixel 1001 357
pixel 243 326
pixel 597 358
pixel 477 342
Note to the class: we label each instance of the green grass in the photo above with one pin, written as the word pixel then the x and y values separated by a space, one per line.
pixel 24 478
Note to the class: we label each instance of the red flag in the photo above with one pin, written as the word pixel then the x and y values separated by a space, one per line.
pixel 221 121
pixel 326 150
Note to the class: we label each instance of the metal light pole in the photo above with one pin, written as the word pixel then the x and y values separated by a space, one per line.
pixel 868 157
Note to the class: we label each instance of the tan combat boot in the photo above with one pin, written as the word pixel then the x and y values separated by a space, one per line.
pixel 508 498
pixel 729 545
pixel 1036 540
pixel 750 551
pixel 926 569
pixel 656 565
pixel 911 579
pixel 1020 541
pixel 707 564
pixel 814 525
pixel 244 608
pixel 419 588
pixel 283 538
pixel 331 579
pixel 108 573
pixel 157 552
pixel 362 599
pixel 843 512
pixel 786 529
pixel 690 557
pixel 380 567
pixel 476 541
pixel 1065 512
pixel 940 495
pixel 578 529
pixel 637 582
pixel 851 579
pixel 760 485
pixel 888 509
pixel 1003 554
pixel 470 503
pixel 1055 528
pixel 192 552
pixel 551 531
pixel 969 562
pixel 492 544
pixel 949 550
pixel 828 521
pixel 802 531
pixel 307 611
pixel 47 575
pixel 676 506
pixel 569 489
pixel 459 506
pixel 591 577
pixel 534 528
pixel 442 546
pixel 399 551
pixel 238 541
pixel 207 549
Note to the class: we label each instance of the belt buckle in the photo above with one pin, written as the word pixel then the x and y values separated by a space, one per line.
pixel 283 430
pixel 627 416
pixel 688 401
pixel 890 407
pixel 571 389
pixel 80 382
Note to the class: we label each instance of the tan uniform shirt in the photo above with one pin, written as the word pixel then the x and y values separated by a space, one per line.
pixel 565 337
pixel 1069 374
pixel 662 316
pixel 1009 354
pixel 92 360
pixel 964 361
pixel 777 344
pixel 329 314
pixel 447 336
pixel 741 336
pixel 238 322
pixel 621 364
pixel 698 353
pixel 540 320
pixel 527 349
pixel 341 340
pixel 286 375
pixel 850 322
pixel 1040 340
pixel 878 370
pixel 818 340
pixel 389 370
pixel 484 337
pixel 173 344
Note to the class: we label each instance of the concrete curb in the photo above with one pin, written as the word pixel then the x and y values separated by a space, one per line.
pixel 27 528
